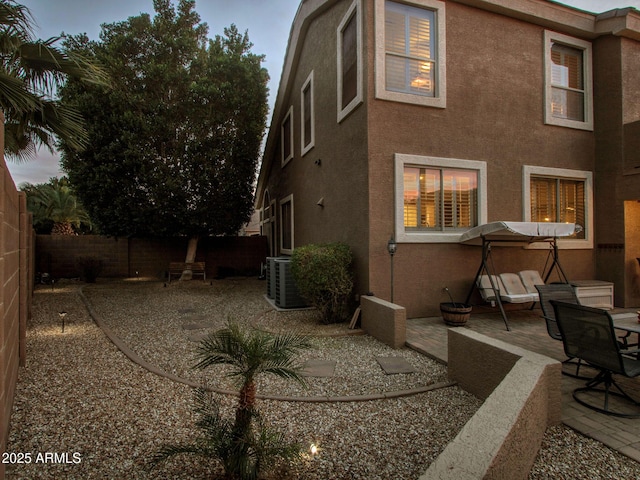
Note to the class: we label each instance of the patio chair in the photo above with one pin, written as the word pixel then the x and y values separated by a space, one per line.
pixel 565 293
pixel 588 333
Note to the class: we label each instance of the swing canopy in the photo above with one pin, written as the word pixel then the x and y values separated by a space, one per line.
pixel 518 233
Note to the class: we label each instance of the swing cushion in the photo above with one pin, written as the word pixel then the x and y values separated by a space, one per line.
pixel 484 286
pixel 531 278
pixel 515 291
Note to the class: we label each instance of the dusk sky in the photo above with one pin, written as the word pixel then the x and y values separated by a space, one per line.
pixel 268 23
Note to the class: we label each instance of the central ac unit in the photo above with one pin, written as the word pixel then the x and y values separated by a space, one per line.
pixel 271 277
pixel 286 294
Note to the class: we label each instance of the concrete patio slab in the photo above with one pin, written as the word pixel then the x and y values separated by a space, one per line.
pixel 528 330
pixel 395 365
pixel 197 337
pixel 319 368
pixel 194 326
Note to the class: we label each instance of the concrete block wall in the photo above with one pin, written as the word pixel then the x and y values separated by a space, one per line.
pixel 150 257
pixel 384 320
pixel 16 242
pixel 522 397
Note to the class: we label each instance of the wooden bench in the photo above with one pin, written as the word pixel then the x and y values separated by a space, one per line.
pixel 197 268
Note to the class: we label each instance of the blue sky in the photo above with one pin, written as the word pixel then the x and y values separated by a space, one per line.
pixel 267 21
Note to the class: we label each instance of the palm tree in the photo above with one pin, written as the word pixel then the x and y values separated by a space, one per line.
pixel 55 202
pixel 244 448
pixel 30 72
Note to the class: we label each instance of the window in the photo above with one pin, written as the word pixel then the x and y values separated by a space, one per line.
pixel 307 120
pixel 568 82
pixel 560 195
pixel 410 52
pixel 438 198
pixel 350 61
pixel 286 225
pixel 286 137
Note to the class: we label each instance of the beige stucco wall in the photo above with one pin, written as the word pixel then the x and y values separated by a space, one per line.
pixel 340 178
pixel 495 113
pixel 617 182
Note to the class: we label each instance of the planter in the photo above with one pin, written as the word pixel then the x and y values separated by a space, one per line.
pixel 455 314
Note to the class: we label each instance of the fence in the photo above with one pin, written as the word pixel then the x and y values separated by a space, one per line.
pixel 149 257
pixel 16 280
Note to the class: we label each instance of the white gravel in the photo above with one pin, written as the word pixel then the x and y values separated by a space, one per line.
pixel 83 410
pixel 79 395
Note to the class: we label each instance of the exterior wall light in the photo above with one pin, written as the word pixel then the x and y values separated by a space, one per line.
pixel 392 247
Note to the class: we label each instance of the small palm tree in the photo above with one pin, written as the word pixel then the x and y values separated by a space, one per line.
pixel 56 203
pixel 30 72
pixel 246 446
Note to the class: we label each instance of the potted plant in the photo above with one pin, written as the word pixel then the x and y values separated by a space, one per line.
pixel 454 313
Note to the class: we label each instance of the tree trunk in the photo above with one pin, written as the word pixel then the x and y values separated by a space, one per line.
pixel 192 248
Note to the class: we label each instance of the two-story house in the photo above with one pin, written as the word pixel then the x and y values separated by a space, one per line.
pixel 420 119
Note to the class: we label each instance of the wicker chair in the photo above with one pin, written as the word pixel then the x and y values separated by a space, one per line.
pixel 588 334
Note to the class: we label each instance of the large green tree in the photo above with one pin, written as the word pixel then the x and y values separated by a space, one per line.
pixel 174 146
pixel 30 72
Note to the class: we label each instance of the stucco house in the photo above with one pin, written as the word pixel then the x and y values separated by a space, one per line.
pixel 420 119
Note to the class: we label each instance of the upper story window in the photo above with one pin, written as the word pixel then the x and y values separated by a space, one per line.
pixel 438 198
pixel 349 61
pixel 568 79
pixel 560 195
pixel 286 137
pixel 307 121
pixel 410 52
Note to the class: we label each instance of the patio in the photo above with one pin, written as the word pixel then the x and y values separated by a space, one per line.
pixel 528 330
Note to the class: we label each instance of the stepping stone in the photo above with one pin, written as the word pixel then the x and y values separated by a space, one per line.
pixel 197 337
pixel 394 365
pixel 194 326
pixel 319 368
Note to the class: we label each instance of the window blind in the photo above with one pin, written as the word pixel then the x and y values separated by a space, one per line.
pixel 409 45
pixel 567 82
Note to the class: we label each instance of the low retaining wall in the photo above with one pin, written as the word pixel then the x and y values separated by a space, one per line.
pixel 384 321
pixel 522 397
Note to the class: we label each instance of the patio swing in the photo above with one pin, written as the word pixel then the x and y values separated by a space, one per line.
pixel 514 234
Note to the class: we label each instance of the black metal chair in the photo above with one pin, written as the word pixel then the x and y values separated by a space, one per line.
pixel 565 293
pixel 588 333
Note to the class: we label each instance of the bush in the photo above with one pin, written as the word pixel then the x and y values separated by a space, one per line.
pixel 89 268
pixel 323 276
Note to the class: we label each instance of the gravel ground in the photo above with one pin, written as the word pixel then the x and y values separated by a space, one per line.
pixel 79 396
pixel 104 416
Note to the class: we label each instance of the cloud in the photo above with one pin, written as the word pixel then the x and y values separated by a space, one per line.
pixel 37 170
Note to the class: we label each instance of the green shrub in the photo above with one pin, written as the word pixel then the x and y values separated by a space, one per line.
pixel 245 445
pixel 89 268
pixel 323 276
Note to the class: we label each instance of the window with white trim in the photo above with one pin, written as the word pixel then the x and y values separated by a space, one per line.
pixel 286 225
pixel 411 52
pixel 437 199
pixel 560 195
pixel 568 77
pixel 286 137
pixel 307 121
pixel 349 41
